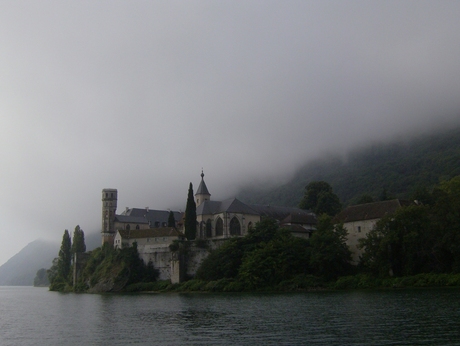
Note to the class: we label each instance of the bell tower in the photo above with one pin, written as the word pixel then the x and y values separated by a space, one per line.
pixel 109 207
pixel 202 194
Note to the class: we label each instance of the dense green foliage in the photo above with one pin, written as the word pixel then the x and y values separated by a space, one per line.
pixel 330 256
pixel 78 241
pixel 320 199
pixel 399 167
pixel 109 269
pixel 41 278
pixel 419 238
pixel 59 273
pixel 190 215
pixel 270 257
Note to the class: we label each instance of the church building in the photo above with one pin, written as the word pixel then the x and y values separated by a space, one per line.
pixel 232 217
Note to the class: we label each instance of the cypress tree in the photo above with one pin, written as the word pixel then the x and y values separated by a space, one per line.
pixel 171 220
pixel 78 241
pixel 190 215
pixel 65 256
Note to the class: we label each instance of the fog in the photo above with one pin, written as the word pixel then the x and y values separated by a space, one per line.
pixel 141 95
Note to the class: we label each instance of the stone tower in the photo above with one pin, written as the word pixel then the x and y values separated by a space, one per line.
pixel 109 207
pixel 202 194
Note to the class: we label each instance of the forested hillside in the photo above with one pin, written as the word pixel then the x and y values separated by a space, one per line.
pixel 399 168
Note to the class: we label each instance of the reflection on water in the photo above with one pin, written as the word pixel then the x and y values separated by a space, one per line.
pixel 34 316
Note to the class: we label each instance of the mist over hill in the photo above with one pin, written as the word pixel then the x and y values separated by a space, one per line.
pixel 20 269
pixel 399 167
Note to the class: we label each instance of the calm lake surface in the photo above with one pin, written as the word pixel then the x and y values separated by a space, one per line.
pixel 34 316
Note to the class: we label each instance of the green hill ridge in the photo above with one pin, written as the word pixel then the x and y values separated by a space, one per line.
pixel 398 167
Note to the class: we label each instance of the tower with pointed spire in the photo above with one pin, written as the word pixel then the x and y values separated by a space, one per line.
pixel 202 194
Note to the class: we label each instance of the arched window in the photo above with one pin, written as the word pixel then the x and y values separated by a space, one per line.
pixel 137 226
pixel 202 228
pixel 208 229
pixel 219 227
pixel 235 227
pixel 128 227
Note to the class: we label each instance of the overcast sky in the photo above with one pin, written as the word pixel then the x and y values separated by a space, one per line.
pixel 140 95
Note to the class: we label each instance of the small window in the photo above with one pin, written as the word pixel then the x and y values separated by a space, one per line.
pixel 137 226
pixel 359 229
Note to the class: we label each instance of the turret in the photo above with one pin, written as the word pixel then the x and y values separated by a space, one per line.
pixel 109 207
pixel 202 194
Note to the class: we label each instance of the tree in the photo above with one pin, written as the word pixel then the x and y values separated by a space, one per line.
pixel 52 272
pixel 190 215
pixel 400 244
pixel 365 199
pixel 78 242
pixel 171 219
pixel 312 191
pixel 65 257
pixel 320 199
pixel 384 195
pixel 281 259
pixel 328 203
pixel 330 255
pixel 41 278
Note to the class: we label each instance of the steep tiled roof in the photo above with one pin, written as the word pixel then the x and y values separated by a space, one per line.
pixel 148 216
pixel 130 219
pixel 369 211
pixel 231 205
pixel 279 213
pixel 297 229
pixel 151 233
pixel 300 218
pixel 202 189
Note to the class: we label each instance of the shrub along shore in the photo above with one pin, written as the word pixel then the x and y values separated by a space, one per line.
pixel 303 283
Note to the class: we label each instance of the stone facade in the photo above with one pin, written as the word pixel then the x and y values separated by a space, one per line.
pixel 360 219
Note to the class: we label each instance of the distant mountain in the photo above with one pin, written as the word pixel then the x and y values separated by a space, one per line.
pixel 398 167
pixel 20 269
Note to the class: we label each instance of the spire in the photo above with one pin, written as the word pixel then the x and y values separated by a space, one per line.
pixel 202 190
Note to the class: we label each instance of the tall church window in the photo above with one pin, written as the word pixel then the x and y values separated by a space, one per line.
pixel 208 229
pixel 219 227
pixel 235 227
pixel 128 227
pixel 202 227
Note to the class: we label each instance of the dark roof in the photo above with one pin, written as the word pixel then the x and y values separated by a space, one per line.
pixel 278 212
pixel 202 188
pixel 130 219
pixel 298 218
pixel 149 216
pixel 369 211
pixel 150 233
pixel 231 205
pixel 297 229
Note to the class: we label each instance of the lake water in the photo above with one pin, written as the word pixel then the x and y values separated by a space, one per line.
pixel 34 316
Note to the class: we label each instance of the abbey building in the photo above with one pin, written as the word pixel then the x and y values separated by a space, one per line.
pixel 216 221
